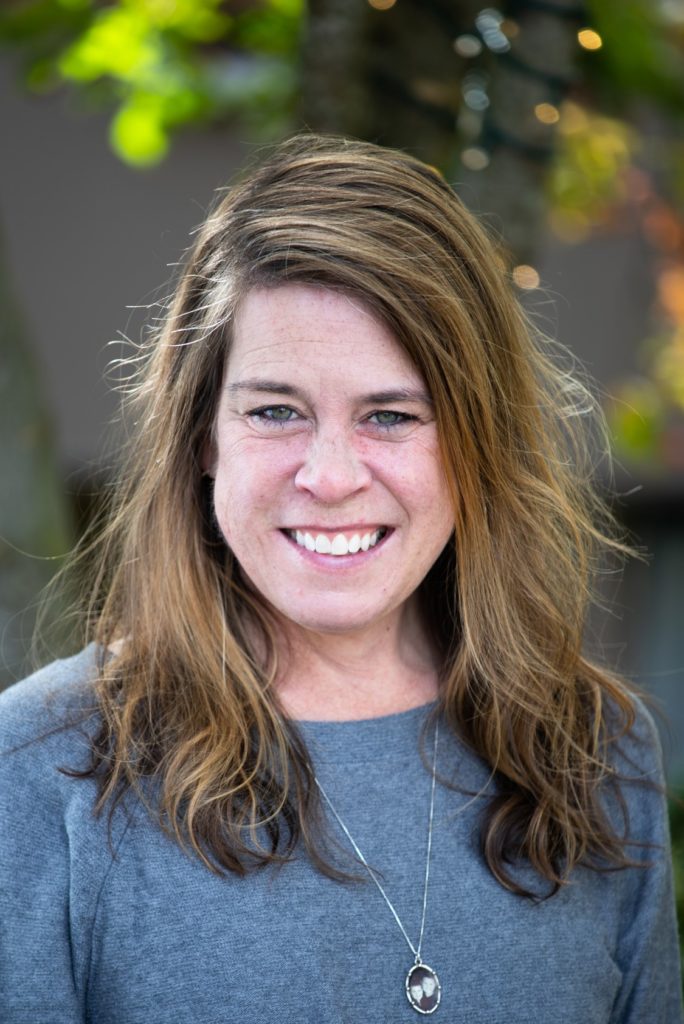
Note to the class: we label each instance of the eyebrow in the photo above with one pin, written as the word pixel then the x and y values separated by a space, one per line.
pixel 274 387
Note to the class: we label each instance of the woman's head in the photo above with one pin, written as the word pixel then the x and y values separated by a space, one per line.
pixel 386 235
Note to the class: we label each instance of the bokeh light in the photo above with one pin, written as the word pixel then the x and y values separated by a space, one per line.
pixel 589 39
pixel 547 113
pixel 671 292
pixel 526 277
pixel 489 24
pixel 474 91
pixel 509 28
pixel 382 5
pixel 467 46
pixel 475 158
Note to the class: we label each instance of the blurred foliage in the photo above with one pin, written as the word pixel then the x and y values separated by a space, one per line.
pixel 607 113
pixel 636 173
pixel 588 176
pixel 641 56
pixel 162 63
pixel 167 63
pixel 647 409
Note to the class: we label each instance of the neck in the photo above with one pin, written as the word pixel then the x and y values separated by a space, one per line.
pixel 383 669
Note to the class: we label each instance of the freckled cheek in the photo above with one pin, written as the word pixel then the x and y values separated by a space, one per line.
pixel 268 458
pixel 417 480
pixel 247 488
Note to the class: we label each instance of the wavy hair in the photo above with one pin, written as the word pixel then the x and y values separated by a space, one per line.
pixel 187 699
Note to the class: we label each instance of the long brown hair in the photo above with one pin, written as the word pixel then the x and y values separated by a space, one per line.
pixel 188 696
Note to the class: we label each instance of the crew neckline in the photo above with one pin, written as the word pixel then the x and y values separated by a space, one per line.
pixel 305 722
pixel 362 740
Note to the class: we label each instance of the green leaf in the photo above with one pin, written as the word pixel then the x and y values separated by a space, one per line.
pixel 138 134
pixel 119 42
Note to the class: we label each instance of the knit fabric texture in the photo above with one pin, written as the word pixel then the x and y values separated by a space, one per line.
pixel 128 929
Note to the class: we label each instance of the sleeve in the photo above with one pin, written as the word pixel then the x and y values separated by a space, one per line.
pixel 37 975
pixel 48 874
pixel 648 948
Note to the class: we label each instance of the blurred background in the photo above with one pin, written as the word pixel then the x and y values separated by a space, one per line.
pixel 561 122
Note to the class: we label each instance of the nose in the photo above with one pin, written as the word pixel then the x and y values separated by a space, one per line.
pixel 332 469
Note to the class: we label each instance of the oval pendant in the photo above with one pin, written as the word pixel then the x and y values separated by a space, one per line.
pixel 423 989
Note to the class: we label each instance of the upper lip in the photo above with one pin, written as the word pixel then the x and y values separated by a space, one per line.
pixel 354 528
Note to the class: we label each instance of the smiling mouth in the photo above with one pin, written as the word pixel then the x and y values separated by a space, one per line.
pixel 338 545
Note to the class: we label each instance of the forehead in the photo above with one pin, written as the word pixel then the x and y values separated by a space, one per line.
pixel 296 327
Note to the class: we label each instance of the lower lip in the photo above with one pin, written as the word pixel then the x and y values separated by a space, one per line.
pixel 337 561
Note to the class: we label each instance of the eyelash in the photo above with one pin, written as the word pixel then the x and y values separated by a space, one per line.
pixel 262 416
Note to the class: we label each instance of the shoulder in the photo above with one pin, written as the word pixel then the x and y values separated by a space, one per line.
pixel 635 750
pixel 46 722
pixel 58 696
pixel 638 793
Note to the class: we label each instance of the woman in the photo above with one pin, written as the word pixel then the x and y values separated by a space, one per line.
pixel 334 720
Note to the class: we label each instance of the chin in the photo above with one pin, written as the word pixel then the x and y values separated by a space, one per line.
pixel 333 621
pixel 330 625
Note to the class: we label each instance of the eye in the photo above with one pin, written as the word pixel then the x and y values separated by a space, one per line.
pixel 275 414
pixel 387 419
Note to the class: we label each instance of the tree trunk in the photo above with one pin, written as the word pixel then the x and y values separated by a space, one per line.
pixel 394 76
pixel 387 75
pixel 334 94
pixel 539 68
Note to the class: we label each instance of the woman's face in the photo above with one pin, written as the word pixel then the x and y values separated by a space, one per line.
pixel 417 992
pixel 329 487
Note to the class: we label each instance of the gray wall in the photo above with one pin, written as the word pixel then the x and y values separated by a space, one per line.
pixel 87 237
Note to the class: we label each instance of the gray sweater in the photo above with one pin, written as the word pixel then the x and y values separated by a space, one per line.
pixel 138 932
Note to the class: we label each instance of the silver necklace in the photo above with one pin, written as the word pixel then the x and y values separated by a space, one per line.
pixel 423 989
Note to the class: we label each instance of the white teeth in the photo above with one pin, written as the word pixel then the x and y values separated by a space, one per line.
pixel 339 545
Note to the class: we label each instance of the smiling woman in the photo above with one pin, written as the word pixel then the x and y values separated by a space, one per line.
pixel 334 717
pixel 336 472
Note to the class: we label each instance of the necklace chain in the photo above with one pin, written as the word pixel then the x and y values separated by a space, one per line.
pixel 369 869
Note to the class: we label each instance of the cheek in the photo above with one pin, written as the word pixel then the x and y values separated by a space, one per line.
pixel 430 506
pixel 247 459
pixel 420 482
pixel 248 479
